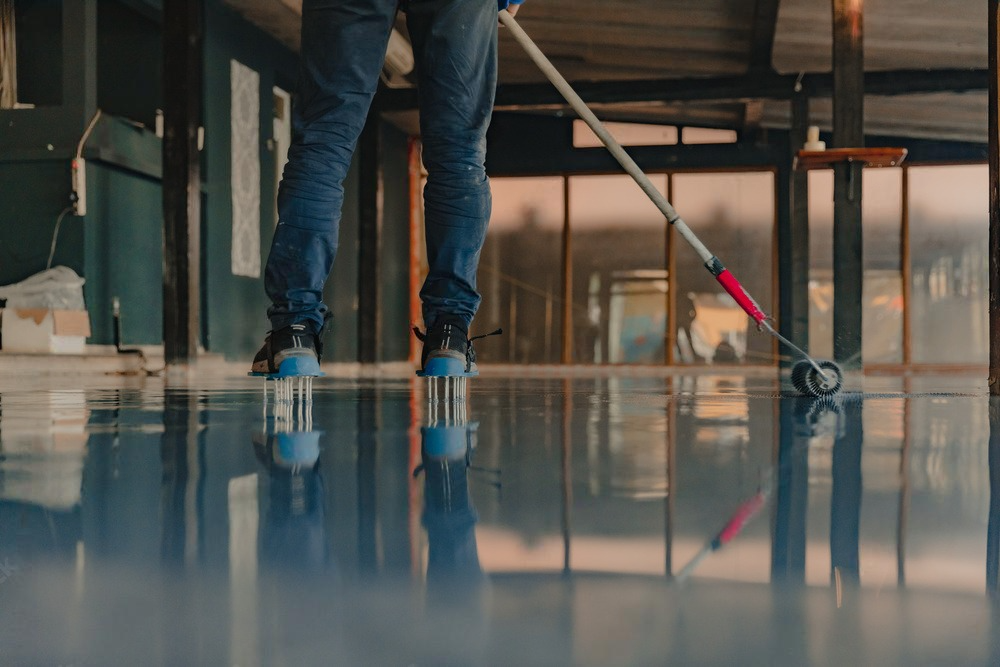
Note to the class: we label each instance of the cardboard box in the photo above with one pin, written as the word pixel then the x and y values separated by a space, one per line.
pixel 44 330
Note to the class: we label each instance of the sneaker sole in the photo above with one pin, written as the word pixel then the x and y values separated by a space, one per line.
pixel 303 366
pixel 447 367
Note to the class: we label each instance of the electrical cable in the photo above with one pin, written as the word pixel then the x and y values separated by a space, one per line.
pixel 86 133
pixel 55 235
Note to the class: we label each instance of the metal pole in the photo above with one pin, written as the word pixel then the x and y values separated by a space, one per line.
pixel 567 295
pixel 369 243
pixel 994 132
pixel 848 132
pixel 906 269
pixel 182 101
pixel 793 236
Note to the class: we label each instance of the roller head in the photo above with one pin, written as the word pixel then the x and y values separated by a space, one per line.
pixel 809 381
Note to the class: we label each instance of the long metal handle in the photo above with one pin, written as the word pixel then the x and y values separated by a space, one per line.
pixel 712 263
pixel 624 159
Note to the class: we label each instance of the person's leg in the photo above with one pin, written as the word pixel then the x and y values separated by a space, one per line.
pixel 343 47
pixel 455 49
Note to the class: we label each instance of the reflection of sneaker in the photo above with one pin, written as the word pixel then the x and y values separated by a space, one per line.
pixel 449 515
pixel 289 351
pixel 296 450
pixel 292 534
pixel 453 442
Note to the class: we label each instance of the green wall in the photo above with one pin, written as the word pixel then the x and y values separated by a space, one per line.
pixel 117 247
pixel 124 254
pixel 234 307
pixel 32 194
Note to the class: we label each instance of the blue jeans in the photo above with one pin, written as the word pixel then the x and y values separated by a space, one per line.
pixel 343 46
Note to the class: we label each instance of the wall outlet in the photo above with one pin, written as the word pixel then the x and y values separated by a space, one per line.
pixel 78 186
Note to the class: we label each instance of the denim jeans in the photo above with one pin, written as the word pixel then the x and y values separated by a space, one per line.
pixel 343 46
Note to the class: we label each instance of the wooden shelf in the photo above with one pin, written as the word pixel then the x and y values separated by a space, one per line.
pixel 872 157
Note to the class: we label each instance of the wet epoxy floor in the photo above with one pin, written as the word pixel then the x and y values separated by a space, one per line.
pixel 704 520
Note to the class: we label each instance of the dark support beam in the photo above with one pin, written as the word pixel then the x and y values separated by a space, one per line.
pixel 793 237
pixel 765 23
pixel 845 497
pixel 788 552
pixel 182 96
pixel 727 88
pixel 848 132
pixel 537 145
pixel 79 81
pixel 993 523
pixel 566 357
pixel 994 158
pixel 369 425
pixel 369 242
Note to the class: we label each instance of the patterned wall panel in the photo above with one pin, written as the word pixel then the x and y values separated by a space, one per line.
pixel 245 149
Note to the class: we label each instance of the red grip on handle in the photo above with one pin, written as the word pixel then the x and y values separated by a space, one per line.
pixel 735 290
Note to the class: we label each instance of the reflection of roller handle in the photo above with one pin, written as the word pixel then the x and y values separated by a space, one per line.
pixel 733 527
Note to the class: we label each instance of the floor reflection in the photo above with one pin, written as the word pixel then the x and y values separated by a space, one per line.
pixel 703 519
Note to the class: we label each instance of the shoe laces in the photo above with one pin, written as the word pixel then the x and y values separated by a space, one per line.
pixel 470 352
pixel 470 355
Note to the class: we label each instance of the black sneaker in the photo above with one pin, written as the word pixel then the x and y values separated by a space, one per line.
pixel 289 351
pixel 448 350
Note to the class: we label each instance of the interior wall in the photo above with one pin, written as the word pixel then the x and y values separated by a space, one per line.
pixel 234 307
pixel 395 266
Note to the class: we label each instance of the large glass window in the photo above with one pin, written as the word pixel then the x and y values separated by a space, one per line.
pixel 619 271
pixel 882 314
pixel 733 214
pixel 821 263
pixel 520 272
pixel 949 242
pixel 882 297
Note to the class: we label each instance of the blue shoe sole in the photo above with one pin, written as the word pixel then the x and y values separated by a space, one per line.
pixel 296 367
pixel 446 367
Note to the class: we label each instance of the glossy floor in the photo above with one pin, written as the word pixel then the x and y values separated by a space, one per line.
pixel 590 521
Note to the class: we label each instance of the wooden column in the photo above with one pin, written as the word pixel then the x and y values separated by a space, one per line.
pixel 793 236
pixel 79 82
pixel 182 95
pixel 369 242
pixel 567 287
pixel 994 133
pixel 848 132
pixel 671 265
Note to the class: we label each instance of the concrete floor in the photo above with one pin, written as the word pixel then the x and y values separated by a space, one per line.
pixel 549 521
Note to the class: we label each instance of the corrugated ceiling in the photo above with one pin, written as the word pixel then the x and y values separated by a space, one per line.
pixel 614 40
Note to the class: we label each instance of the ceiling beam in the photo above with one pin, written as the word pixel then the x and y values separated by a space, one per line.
pixel 765 24
pixel 772 86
